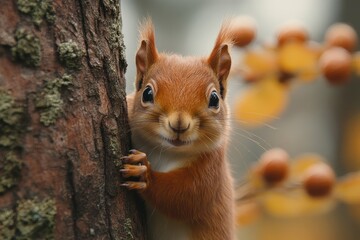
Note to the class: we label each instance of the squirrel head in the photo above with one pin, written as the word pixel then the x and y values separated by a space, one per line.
pixel 179 102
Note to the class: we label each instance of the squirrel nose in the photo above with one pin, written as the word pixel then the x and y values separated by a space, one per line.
pixel 178 128
pixel 179 122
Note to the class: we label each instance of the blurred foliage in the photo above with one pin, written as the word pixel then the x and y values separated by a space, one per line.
pixel 270 69
pixel 277 185
pixel 287 188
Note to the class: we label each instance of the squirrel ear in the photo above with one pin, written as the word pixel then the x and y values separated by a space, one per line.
pixel 220 62
pixel 145 57
pixel 147 53
pixel 141 58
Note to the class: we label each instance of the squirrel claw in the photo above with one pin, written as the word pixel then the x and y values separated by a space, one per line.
pixel 134 185
pixel 133 151
pixel 135 165
pixel 135 157
pixel 133 170
pixel 124 159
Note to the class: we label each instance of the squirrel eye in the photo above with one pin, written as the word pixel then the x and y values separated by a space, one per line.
pixel 214 100
pixel 148 95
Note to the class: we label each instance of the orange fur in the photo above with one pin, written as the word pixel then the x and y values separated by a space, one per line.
pixel 200 194
pixel 195 187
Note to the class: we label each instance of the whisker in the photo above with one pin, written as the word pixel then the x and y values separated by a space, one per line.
pixel 256 136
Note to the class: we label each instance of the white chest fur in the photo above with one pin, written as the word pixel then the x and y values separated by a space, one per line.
pixel 160 158
pixel 166 162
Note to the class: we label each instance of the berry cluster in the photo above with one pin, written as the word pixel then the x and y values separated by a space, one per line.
pixel 284 187
pixel 293 57
pixel 278 185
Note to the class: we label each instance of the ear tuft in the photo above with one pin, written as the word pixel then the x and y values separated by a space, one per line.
pixel 147 53
pixel 141 57
pixel 224 62
pixel 220 59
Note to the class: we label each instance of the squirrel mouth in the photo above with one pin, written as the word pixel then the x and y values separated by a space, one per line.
pixel 177 142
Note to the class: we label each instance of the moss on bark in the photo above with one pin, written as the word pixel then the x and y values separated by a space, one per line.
pixel 37 10
pixel 27 48
pixel 70 54
pixel 32 219
pixel 49 100
pixel 11 129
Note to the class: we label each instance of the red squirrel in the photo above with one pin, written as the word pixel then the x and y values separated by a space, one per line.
pixel 179 124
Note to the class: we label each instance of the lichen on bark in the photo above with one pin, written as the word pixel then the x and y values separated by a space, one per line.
pixel 49 100
pixel 10 120
pixel 116 38
pixel 10 168
pixel 128 230
pixel 37 10
pixel 70 54
pixel 27 48
pixel 35 219
pixel 7 224
pixel 11 126
pixel 31 219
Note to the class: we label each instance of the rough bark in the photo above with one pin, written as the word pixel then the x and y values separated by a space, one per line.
pixel 63 122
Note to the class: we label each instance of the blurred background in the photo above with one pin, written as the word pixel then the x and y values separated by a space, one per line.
pixel 319 118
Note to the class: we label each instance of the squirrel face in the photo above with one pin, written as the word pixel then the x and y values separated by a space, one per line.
pixel 179 101
pixel 178 105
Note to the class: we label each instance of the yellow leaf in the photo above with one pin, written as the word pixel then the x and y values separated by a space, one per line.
pixel 247 213
pixel 295 203
pixel 356 63
pixel 352 142
pixel 348 188
pixel 324 227
pixel 354 211
pixel 308 75
pixel 260 63
pixel 297 58
pixel 255 180
pixel 312 72
pixel 262 102
pixel 302 163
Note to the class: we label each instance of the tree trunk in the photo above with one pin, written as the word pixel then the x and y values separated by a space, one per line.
pixel 63 122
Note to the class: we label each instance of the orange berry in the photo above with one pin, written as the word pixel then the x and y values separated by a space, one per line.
pixel 319 180
pixel 335 64
pixel 341 35
pixel 274 165
pixel 244 31
pixel 292 32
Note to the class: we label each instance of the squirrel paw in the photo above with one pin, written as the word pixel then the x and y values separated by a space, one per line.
pixel 135 165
